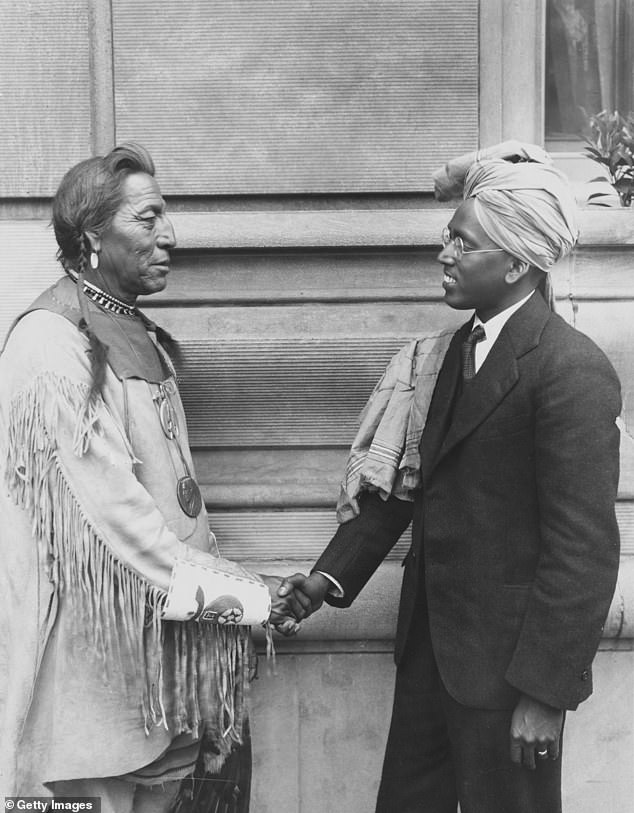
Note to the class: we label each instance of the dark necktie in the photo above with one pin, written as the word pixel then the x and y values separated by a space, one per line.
pixel 468 351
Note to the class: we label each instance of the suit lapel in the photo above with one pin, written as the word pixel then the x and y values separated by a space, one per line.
pixel 439 412
pixel 497 376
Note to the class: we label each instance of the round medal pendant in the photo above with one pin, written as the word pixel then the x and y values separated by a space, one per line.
pixel 189 497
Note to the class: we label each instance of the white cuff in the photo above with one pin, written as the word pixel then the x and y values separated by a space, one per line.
pixel 206 594
pixel 336 590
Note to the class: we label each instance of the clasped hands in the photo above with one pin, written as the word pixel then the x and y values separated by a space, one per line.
pixel 294 598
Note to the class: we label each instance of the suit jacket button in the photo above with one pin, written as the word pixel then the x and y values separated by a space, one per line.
pixel 585 674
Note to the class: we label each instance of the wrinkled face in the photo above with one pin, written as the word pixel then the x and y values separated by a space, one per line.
pixel 475 281
pixel 134 251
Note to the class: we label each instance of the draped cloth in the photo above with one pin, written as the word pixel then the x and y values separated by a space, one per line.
pixel 385 454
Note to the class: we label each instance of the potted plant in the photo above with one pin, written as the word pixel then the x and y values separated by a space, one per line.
pixel 610 142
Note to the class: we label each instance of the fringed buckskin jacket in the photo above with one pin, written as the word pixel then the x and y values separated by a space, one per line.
pixel 94 680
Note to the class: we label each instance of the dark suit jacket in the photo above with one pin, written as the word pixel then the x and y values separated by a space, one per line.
pixel 515 542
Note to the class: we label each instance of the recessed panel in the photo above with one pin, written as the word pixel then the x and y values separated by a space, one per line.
pixel 245 96
pixel 44 93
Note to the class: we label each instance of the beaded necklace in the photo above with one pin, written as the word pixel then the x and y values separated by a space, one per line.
pixel 107 301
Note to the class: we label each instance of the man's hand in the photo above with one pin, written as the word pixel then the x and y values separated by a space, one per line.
pixel 535 732
pixel 309 590
pixel 288 627
pixel 286 609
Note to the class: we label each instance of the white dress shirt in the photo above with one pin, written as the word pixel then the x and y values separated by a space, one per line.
pixel 493 328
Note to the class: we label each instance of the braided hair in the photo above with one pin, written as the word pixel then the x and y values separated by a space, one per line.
pixel 87 200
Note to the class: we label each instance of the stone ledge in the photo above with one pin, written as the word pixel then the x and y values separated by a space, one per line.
pixel 360 227
pixel 373 615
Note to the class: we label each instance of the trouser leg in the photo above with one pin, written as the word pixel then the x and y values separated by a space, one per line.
pixel 486 779
pixel 417 772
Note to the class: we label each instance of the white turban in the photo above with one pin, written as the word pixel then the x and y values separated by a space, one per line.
pixel 525 207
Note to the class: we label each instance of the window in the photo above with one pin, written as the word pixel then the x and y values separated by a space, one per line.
pixel 589 64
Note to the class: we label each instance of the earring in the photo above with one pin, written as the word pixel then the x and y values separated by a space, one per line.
pixel 94 260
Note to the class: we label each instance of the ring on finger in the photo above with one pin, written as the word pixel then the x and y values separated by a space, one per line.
pixel 543 753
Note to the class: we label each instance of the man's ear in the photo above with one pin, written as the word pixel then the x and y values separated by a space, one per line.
pixel 94 241
pixel 517 271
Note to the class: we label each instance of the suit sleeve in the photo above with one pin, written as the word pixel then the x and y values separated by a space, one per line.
pixel 360 545
pixel 577 470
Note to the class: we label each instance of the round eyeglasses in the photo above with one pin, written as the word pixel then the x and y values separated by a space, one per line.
pixel 458 245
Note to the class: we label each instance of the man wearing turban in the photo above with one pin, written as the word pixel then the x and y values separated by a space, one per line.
pixel 515 546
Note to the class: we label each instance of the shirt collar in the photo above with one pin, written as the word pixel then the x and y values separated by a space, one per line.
pixel 494 325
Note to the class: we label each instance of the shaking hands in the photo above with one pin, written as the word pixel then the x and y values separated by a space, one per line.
pixel 294 598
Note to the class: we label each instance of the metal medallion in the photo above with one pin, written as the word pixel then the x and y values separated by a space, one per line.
pixel 189 497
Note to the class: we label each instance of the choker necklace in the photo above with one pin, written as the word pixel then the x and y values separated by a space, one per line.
pixel 107 301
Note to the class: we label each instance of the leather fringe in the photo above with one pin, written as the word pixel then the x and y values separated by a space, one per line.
pixel 203 667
